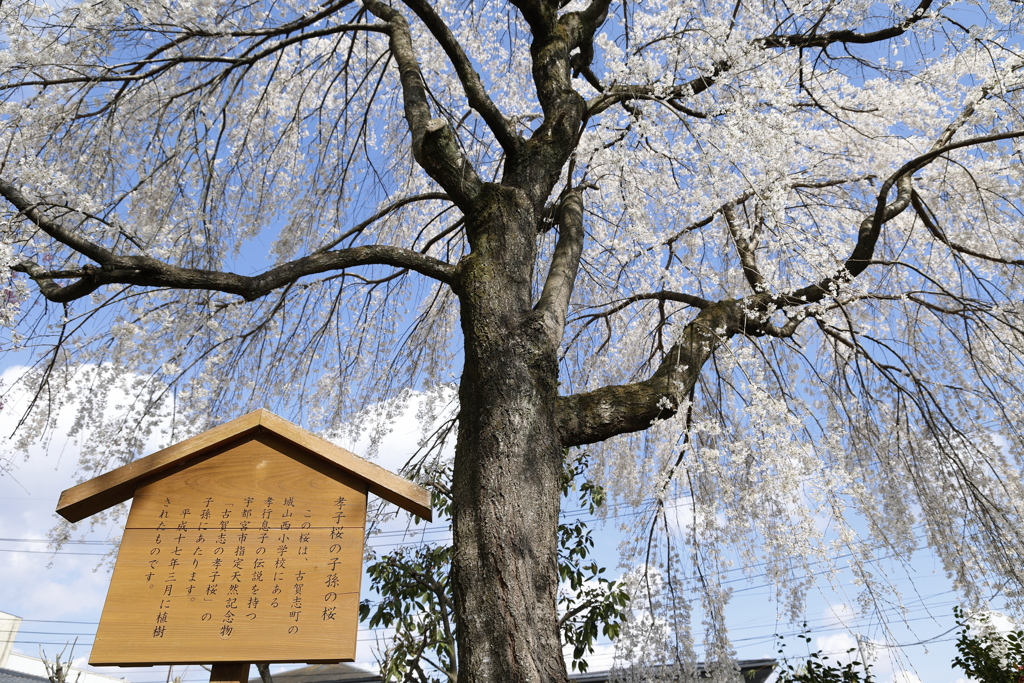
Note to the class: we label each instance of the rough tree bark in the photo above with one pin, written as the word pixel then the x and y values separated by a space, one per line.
pixel 508 456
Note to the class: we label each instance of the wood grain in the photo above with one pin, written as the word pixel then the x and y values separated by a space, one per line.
pixel 384 483
pixel 250 554
pixel 120 484
pixel 264 466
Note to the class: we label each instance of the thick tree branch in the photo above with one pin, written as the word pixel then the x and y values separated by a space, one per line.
pixel 53 228
pixel 590 19
pixel 553 305
pixel 624 93
pixel 474 88
pixel 146 271
pixel 434 145
pixel 745 248
pixel 621 409
pixel 871 227
pixel 815 39
pixel 538 164
pixel 613 410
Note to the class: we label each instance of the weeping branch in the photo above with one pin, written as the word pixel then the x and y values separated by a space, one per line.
pixel 619 94
pixel 597 415
pixel 145 271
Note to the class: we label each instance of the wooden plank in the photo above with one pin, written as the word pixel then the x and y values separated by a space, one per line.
pixel 254 554
pixel 229 672
pixel 120 484
pixel 384 483
pixel 264 466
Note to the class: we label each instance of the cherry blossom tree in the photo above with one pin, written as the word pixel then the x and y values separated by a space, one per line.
pixel 762 259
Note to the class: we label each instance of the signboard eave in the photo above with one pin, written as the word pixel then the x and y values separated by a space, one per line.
pixel 119 485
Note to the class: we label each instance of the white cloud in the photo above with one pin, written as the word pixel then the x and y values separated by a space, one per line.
pixel 837 647
pixel 992 621
pixel 51 591
pixel 394 432
pixel 839 615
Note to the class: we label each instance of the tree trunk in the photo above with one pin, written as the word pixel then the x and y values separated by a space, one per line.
pixel 508 459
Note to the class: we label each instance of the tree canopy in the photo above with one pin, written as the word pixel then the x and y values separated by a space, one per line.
pixel 762 259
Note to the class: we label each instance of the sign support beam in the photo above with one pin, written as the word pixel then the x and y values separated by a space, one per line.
pixel 229 672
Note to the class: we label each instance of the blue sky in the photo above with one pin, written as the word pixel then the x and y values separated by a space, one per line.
pixel 60 596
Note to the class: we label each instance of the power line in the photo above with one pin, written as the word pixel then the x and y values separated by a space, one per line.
pixel 50 552
pixel 59 621
pixel 48 541
pixel 922 602
pixel 790 633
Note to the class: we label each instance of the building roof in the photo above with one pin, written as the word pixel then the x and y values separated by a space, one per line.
pixel 322 673
pixel 753 671
pixel 119 485
pixel 11 676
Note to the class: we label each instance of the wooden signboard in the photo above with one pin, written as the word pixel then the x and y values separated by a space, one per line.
pixel 243 544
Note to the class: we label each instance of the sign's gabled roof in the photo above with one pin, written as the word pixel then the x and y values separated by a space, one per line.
pixel 119 485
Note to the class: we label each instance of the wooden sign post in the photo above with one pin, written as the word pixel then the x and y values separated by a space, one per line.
pixel 244 544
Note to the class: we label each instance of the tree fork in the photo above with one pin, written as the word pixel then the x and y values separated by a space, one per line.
pixel 621 409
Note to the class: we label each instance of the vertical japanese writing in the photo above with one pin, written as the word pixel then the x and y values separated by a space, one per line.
pixel 296 606
pixel 220 563
pixel 164 571
pixel 332 583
